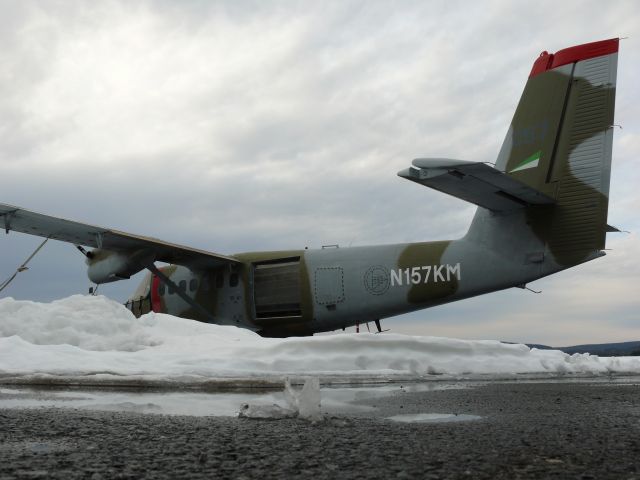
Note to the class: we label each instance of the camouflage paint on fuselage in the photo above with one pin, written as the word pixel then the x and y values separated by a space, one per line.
pixel 432 279
pixel 367 284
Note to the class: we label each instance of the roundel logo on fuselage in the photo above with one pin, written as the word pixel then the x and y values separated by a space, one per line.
pixel 377 280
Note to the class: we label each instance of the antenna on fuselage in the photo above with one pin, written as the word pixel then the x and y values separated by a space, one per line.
pixel 523 286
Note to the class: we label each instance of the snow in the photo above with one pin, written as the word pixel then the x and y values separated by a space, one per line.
pixel 86 336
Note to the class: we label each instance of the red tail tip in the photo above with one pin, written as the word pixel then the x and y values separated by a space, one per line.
pixel 547 61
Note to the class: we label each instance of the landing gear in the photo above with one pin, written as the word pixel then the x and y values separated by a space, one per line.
pixel 378 327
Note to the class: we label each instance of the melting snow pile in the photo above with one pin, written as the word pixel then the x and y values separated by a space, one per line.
pixel 82 336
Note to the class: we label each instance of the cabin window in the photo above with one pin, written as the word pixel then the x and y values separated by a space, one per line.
pixel 171 290
pixel 182 285
pixel 161 289
pixel 233 280
pixel 193 284
pixel 277 288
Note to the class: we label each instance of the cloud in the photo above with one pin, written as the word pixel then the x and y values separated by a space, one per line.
pixel 247 126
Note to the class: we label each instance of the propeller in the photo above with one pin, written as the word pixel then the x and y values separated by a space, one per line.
pixel 85 252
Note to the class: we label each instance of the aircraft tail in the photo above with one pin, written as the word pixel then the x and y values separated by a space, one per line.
pixel 560 143
pixel 548 194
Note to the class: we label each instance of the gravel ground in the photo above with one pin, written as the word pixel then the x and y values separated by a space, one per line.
pixel 527 430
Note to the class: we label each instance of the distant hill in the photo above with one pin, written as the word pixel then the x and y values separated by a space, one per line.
pixel 622 349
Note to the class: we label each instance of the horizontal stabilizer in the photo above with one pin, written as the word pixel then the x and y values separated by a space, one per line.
pixel 475 182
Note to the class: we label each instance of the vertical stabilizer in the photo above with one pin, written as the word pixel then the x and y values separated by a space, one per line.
pixel 559 142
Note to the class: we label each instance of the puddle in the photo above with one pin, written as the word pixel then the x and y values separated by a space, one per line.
pixel 434 418
pixel 167 403
pixel 334 400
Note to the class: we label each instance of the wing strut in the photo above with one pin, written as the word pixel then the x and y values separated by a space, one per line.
pixel 169 283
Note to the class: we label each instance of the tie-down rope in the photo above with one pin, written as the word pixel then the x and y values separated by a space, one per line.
pixel 22 267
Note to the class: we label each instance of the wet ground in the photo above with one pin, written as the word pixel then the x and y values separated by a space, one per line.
pixel 588 428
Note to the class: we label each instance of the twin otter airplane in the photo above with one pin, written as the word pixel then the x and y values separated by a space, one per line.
pixel 541 209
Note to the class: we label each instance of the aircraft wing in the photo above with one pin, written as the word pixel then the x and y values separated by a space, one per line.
pixel 475 182
pixel 25 221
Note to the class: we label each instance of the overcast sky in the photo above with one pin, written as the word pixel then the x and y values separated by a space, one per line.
pixel 238 126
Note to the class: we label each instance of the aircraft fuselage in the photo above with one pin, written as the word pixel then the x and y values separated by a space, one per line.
pixel 300 292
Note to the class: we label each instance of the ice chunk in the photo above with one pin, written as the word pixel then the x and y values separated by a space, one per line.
pixel 290 396
pixel 305 404
pixel 309 400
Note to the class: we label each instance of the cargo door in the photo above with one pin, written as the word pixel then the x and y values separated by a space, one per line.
pixel 277 289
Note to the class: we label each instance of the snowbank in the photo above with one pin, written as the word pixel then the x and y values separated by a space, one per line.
pixel 91 323
pixel 83 335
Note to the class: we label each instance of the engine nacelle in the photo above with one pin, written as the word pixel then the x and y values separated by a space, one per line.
pixel 109 266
